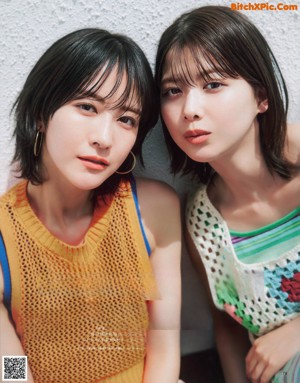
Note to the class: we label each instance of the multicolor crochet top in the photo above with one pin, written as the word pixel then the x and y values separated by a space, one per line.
pixel 262 294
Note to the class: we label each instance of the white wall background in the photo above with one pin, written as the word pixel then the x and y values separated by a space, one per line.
pixel 28 27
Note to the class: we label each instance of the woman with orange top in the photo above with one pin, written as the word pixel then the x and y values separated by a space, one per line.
pixel 90 256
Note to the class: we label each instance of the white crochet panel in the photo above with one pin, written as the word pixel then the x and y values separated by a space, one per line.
pixel 260 296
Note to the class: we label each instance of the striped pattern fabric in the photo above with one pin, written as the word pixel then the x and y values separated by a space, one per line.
pixel 268 242
pixel 290 373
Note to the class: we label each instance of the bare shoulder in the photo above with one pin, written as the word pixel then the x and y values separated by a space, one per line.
pixel 160 211
pixel 293 142
pixel 156 193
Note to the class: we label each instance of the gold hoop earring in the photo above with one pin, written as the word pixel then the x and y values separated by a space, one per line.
pixel 38 143
pixel 132 167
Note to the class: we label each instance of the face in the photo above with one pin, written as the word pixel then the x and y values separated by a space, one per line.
pixel 212 119
pixel 87 140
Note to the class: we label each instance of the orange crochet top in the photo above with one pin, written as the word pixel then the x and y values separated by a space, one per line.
pixel 79 311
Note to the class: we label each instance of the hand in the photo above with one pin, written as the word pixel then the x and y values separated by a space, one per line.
pixel 271 352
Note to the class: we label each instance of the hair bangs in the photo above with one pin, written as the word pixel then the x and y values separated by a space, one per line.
pixel 130 94
pixel 211 61
pixel 189 62
pixel 180 67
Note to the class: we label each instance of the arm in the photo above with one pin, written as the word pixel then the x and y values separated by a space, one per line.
pixel 232 344
pixel 161 217
pixel 231 338
pixel 10 344
pixel 272 351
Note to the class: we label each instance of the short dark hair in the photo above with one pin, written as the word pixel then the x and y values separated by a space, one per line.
pixel 233 46
pixel 66 71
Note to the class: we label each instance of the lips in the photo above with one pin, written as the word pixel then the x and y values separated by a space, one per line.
pixel 94 162
pixel 196 136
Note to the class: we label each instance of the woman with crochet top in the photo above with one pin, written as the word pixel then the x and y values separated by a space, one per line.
pixel 90 257
pixel 224 106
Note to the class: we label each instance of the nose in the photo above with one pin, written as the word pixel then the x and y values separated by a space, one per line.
pixel 102 132
pixel 193 106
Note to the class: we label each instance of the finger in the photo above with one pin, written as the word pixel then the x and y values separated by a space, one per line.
pixel 251 362
pixel 256 374
pixel 267 374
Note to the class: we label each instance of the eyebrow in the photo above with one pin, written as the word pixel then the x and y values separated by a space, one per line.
pixel 124 107
pixel 199 76
pixel 136 111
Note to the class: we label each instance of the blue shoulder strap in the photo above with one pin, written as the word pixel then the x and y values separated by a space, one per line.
pixel 6 274
pixel 135 197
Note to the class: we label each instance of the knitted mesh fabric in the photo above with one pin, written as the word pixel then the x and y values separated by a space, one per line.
pixel 260 296
pixel 80 311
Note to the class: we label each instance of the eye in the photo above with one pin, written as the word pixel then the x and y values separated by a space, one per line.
pixel 213 85
pixel 170 92
pixel 87 107
pixel 129 121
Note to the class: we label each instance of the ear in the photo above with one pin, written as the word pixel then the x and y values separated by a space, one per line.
pixel 41 127
pixel 262 100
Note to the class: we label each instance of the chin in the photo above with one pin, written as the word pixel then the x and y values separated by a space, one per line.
pixel 87 184
pixel 201 155
pixel 198 158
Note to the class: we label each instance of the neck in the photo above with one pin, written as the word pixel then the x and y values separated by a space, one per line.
pixel 243 174
pixel 60 208
pixel 247 184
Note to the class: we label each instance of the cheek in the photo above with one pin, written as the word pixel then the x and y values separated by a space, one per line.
pixel 59 141
pixel 170 115
pixel 124 140
pixel 55 148
pixel 237 107
pixel 131 136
